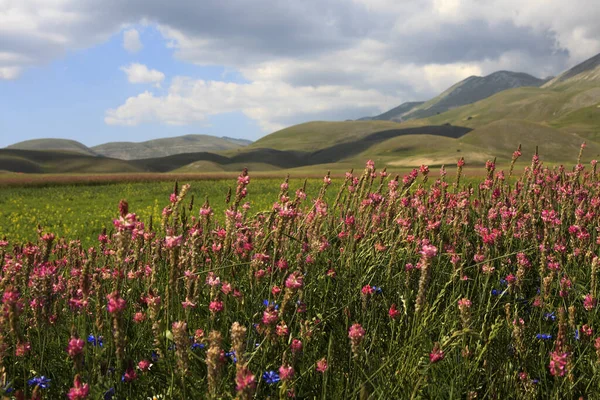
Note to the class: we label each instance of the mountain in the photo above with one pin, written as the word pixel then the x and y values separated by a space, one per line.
pixel 53 145
pixel 168 146
pixel 467 91
pixel 587 71
pixel 396 113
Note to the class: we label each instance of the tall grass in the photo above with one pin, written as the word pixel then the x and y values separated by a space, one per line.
pixel 397 288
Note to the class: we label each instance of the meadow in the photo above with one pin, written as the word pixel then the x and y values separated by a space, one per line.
pixel 374 286
pixel 79 209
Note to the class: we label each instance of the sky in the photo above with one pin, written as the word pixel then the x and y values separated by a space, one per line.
pixel 98 71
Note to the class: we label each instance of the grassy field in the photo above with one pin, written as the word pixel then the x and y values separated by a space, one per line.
pixel 416 288
pixel 81 211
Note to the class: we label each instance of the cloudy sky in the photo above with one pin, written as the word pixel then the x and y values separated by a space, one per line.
pixel 106 70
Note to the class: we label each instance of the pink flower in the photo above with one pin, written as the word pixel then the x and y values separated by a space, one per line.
pixel 130 375
pixel 286 372
pixel 115 303
pixel 215 306
pixel 428 251
pixel 437 354
pixel 589 302
pixel 294 281
pixel 244 380
pixel 75 347
pixel 173 241
pixel 144 365
pixel 558 362
pixel 367 290
pixel 464 303
pixel 270 316
pixel 356 333
pixel 296 345
pixel 23 348
pixel 322 365
pixel 275 290
pixel 393 312
pixel 79 390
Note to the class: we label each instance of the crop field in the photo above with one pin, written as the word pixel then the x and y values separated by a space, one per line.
pixel 422 287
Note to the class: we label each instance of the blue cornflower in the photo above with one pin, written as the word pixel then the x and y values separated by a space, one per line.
pixel 494 292
pixel 40 381
pixel 576 334
pixel 232 355
pixel 96 341
pixel 108 395
pixel 377 289
pixel 503 282
pixel 550 316
pixel 267 303
pixel 197 346
pixel 535 381
pixel 271 377
pixel 154 356
pixel 543 336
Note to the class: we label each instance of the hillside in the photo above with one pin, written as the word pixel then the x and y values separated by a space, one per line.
pixel 53 145
pixel 587 71
pixel 471 90
pixel 168 146
pixel 396 113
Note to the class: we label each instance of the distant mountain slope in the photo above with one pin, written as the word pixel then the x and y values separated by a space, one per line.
pixel 396 113
pixel 53 145
pixel 471 90
pixel 589 70
pixel 569 103
pixel 168 146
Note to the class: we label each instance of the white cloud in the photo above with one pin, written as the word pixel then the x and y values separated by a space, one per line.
pixel 268 102
pixel 139 73
pixel 9 73
pixel 305 59
pixel 131 41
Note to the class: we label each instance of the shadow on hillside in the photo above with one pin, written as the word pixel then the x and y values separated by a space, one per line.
pixel 32 161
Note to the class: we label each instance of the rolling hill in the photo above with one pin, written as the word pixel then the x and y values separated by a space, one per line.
pixel 53 145
pixel 168 147
pixel 556 117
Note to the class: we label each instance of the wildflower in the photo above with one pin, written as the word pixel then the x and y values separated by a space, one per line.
pixel 271 377
pixel 551 316
pixel 115 303
pixel 23 348
pixel 543 336
pixel 393 312
pixel 428 251
pixel 294 281
pixel 129 376
pixel 286 372
pixel 75 347
pixel 144 365
pixel 296 345
pixel 558 362
pixel 215 306
pixel 589 302
pixel 244 380
pixel 79 390
pixel 437 354
pixel 95 341
pixel 322 365
pixel 356 333
pixel 41 382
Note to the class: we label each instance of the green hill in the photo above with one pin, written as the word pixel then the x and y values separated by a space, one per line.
pixel 168 146
pixel 53 145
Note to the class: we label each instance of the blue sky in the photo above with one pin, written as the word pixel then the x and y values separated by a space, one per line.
pixel 68 97
pixel 111 70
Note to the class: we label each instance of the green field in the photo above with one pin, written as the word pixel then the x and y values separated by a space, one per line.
pixel 82 211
